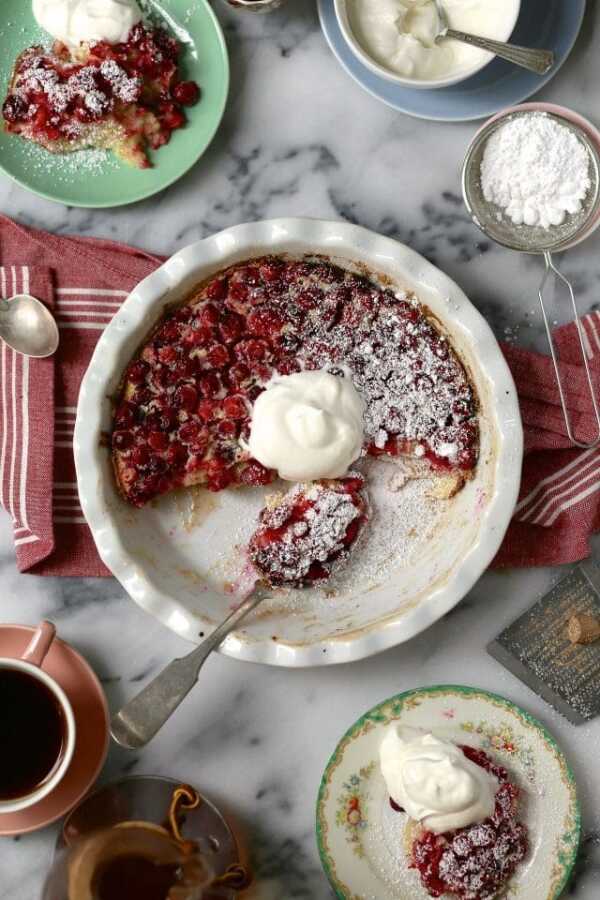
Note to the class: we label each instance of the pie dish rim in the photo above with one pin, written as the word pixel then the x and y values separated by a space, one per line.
pixel 216 252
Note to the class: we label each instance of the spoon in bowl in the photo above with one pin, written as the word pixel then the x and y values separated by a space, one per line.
pixel 539 61
pixel 28 326
pixel 279 556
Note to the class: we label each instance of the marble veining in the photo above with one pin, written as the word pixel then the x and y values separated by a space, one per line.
pixel 301 138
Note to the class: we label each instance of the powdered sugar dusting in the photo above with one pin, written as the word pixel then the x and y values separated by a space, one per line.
pixel 306 534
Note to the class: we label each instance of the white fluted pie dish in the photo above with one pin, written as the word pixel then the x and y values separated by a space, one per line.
pixel 178 557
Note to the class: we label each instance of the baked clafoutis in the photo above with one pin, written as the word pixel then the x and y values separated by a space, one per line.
pixel 125 97
pixel 183 411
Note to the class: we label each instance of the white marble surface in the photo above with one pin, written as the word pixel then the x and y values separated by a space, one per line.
pixel 300 138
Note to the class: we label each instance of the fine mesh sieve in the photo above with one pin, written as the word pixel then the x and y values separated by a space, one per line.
pixel 491 219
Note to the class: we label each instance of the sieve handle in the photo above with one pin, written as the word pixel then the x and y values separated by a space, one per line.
pixel 551 271
pixel 539 61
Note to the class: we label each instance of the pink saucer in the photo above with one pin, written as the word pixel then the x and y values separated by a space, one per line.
pixel 90 709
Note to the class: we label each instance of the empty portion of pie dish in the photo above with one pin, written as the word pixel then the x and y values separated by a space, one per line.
pixel 174 381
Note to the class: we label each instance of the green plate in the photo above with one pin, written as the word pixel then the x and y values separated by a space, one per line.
pixel 95 178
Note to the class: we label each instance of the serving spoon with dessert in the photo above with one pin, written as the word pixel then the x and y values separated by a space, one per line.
pixel 302 537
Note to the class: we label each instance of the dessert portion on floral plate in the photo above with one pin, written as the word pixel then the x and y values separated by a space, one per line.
pixel 450 792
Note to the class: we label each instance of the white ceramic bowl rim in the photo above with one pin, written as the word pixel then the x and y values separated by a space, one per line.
pixel 389 75
pixel 13 806
pixel 212 255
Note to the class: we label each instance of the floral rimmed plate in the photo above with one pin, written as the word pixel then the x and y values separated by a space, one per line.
pixel 360 837
pixel 95 178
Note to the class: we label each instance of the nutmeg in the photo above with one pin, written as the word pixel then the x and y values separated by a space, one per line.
pixel 583 629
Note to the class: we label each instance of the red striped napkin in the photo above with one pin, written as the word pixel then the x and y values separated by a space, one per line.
pixel 559 503
pixel 84 281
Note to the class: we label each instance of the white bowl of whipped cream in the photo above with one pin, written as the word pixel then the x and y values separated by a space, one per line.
pixel 395 39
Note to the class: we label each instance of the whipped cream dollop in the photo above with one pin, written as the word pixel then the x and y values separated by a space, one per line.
pixel 433 781
pixel 77 21
pixel 307 425
pixel 400 34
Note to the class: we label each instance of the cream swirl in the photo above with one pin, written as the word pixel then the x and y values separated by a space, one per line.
pixel 77 21
pixel 434 782
pixel 307 425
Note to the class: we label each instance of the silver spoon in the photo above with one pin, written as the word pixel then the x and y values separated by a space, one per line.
pixel 539 61
pixel 140 719
pixel 28 326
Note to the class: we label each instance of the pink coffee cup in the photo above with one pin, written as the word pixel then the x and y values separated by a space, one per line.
pixel 31 664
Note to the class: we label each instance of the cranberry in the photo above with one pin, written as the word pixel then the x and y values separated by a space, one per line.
pixel 142 396
pixel 461 409
pixel 184 315
pixel 255 473
pixel 309 299
pixel 238 374
pixel 235 407
pixel 168 332
pixel 216 290
pixel 184 369
pixel 231 327
pixel 252 350
pixel 164 416
pixel 137 372
pixel 186 92
pixel 125 414
pixel 250 275
pixel 172 116
pixel 14 108
pixel 352 315
pixel 288 366
pixel 140 456
pixel 218 356
pixel 227 428
pixel 176 454
pixel 209 314
pixel 219 475
pixel 238 292
pixel 186 397
pixel 201 336
pixel 158 440
pixel 352 485
pixel 167 355
pixel 41 117
pixel 264 322
pixel 263 372
pixel 271 270
pixel 209 385
pixel 207 409
pixel 122 440
pixel 201 443
pixel 189 431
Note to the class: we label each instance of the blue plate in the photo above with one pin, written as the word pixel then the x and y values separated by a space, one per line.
pixel 551 24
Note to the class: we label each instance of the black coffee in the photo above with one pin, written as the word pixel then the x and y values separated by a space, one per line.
pixel 134 878
pixel 32 733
